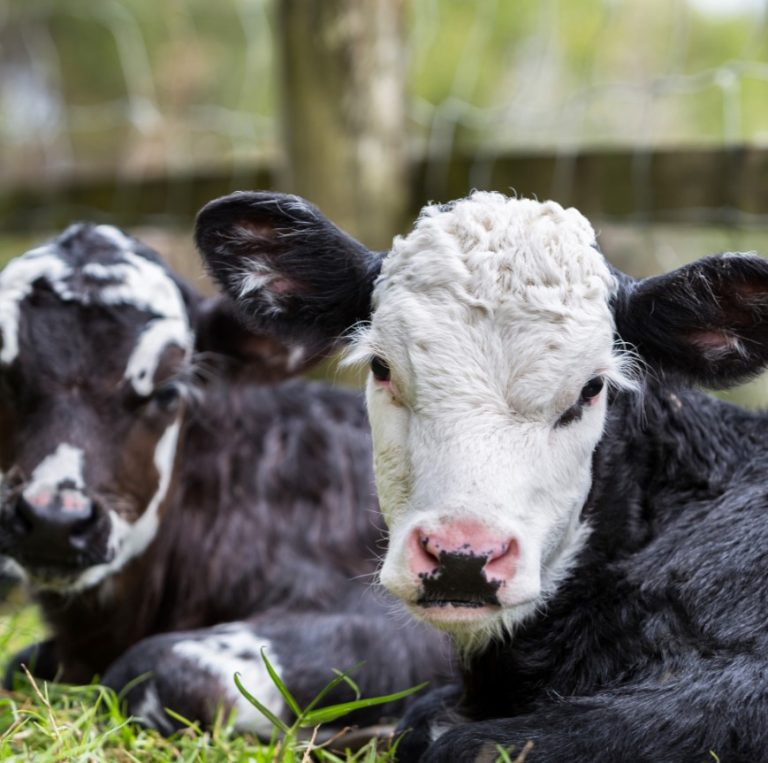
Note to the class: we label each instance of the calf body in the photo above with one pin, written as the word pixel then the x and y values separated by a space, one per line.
pixel 174 513
pixel 589 529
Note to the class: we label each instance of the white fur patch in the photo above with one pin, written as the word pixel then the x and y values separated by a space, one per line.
pixel 234 649
pixel 114 236
pixel 143 284
pixel 65 464
pixel 146 286
pixel 12 568
pixel 259 277
pixel 16 281
pixel 492 314
pixel 145 357
pixel 129 540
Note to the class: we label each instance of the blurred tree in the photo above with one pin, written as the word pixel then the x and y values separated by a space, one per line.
pixel 343 106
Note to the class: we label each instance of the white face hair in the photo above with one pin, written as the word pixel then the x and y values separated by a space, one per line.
pixel 492 315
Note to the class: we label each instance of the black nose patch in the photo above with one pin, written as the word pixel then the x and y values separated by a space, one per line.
pixel 459 580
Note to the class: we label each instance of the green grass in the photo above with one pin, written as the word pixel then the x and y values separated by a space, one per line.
pixel 44 722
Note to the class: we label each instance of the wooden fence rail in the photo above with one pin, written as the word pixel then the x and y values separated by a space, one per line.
pixel 690 185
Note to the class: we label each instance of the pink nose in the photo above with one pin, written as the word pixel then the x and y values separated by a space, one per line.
pixel 432 550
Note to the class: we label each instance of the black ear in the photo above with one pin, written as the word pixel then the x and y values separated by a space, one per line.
pixel 220 333
pixel 707 321
pixel 291 271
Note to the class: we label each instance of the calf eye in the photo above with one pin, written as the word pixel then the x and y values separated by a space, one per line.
pixel 380 369
pixel 592 388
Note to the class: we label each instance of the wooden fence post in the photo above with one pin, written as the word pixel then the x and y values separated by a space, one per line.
pixel 342 93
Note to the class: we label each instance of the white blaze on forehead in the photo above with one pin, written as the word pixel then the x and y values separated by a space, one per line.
pixel 65 464
pixel 129 540
pixel 16 281
pixel 142 283
pixel 234 649
pixel 492 246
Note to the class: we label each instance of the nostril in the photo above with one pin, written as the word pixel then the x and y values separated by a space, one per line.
pixel 82 530
pixel 501 563
pixel 424 558
pixel 430 547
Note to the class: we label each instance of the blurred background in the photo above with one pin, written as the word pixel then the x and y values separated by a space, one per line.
pixel 651 116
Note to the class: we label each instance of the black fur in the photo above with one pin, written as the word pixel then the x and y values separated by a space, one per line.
pixel 655 648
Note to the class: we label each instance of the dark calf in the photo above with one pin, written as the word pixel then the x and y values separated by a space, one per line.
pixel 172 513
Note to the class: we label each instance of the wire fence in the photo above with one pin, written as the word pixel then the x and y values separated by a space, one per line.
pixel 136 87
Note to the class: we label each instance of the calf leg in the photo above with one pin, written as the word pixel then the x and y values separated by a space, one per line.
pixel 192 672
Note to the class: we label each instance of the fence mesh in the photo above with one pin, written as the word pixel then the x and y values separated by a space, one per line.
pixel 136 86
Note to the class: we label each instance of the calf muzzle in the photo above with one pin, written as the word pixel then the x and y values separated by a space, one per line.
pixel 57 528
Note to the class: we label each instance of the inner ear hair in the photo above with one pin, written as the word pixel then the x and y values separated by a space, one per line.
pixel 291 271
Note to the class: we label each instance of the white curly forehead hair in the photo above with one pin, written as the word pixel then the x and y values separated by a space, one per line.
pixel 515 277
pixel 496 248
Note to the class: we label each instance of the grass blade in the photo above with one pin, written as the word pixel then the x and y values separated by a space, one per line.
pixel 332 712
pixel 262 708
pixel 281 687
pixel 332 684
pixel 348 680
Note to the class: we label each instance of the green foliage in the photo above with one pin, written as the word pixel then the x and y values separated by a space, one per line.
pixel 49 723
pixel 314 715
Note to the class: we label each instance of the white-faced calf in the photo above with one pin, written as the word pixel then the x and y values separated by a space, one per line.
pixel 155 481
pixel 591 530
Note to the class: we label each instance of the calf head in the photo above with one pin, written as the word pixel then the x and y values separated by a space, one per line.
pixel 96 342
pixel 494 334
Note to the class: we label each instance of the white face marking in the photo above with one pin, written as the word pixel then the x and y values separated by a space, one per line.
pixel 492 317
pixel 129 540
pixel 16 281
pixel 145 357
pixel 65 464
pixel 145 285
pixel 221 655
